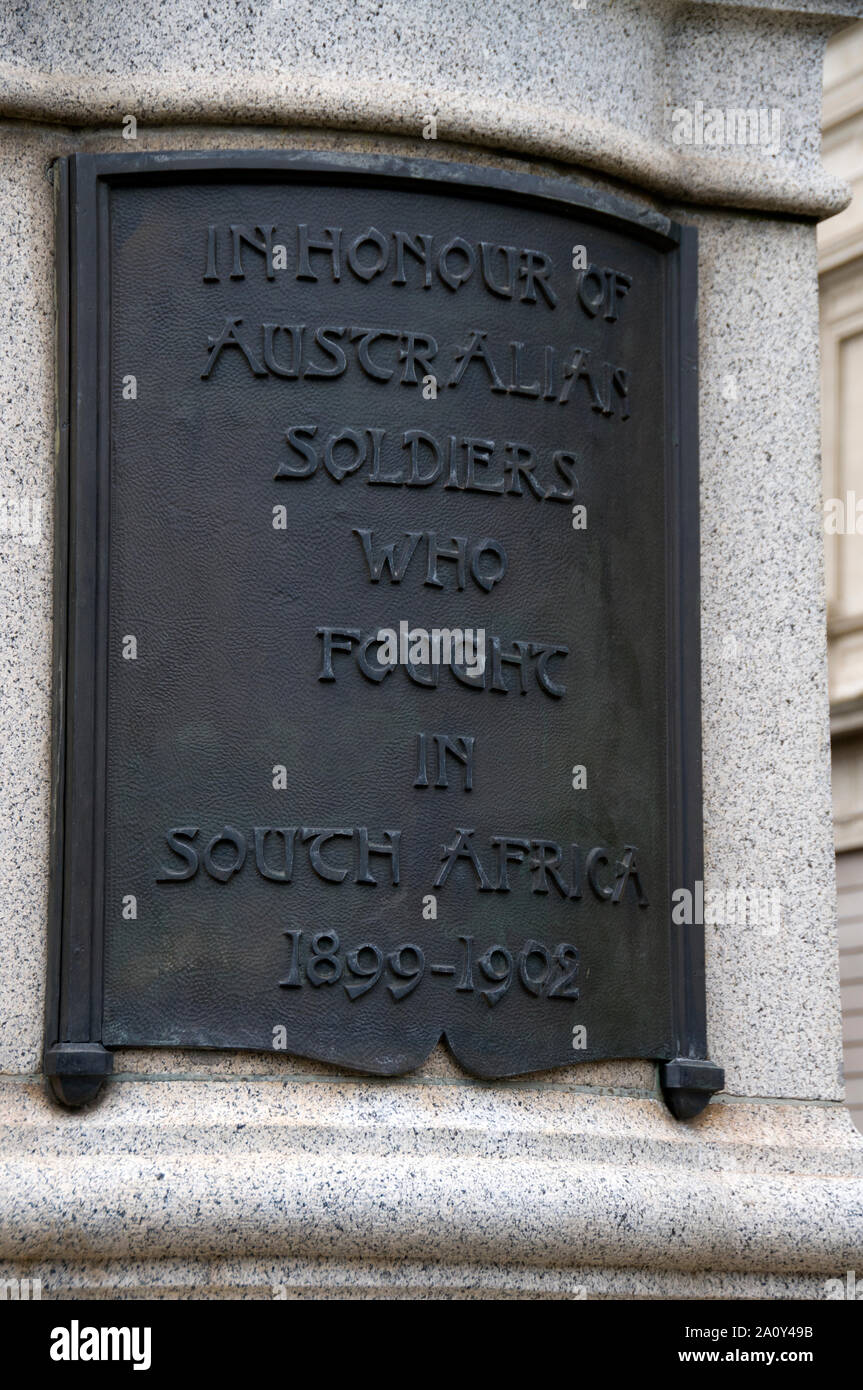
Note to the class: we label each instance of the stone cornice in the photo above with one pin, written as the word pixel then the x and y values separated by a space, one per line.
pixel 555 81
pixel 445 1172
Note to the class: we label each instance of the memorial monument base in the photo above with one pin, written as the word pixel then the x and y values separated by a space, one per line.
pixel 309 1186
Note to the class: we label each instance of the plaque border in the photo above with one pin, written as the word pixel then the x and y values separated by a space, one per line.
pixel 75 1061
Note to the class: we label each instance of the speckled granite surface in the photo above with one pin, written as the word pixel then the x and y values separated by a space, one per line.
pixel 237 1187
pixel 593 83
pixel 207 1175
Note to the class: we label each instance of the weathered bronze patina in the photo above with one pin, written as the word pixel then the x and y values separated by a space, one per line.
pixel 377 671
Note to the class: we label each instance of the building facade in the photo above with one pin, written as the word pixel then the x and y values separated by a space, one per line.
pixel 840 243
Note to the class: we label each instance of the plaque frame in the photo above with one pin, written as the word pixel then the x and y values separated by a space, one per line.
pixel 75 1060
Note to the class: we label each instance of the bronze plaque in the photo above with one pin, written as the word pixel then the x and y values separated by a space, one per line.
pixel 377 673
